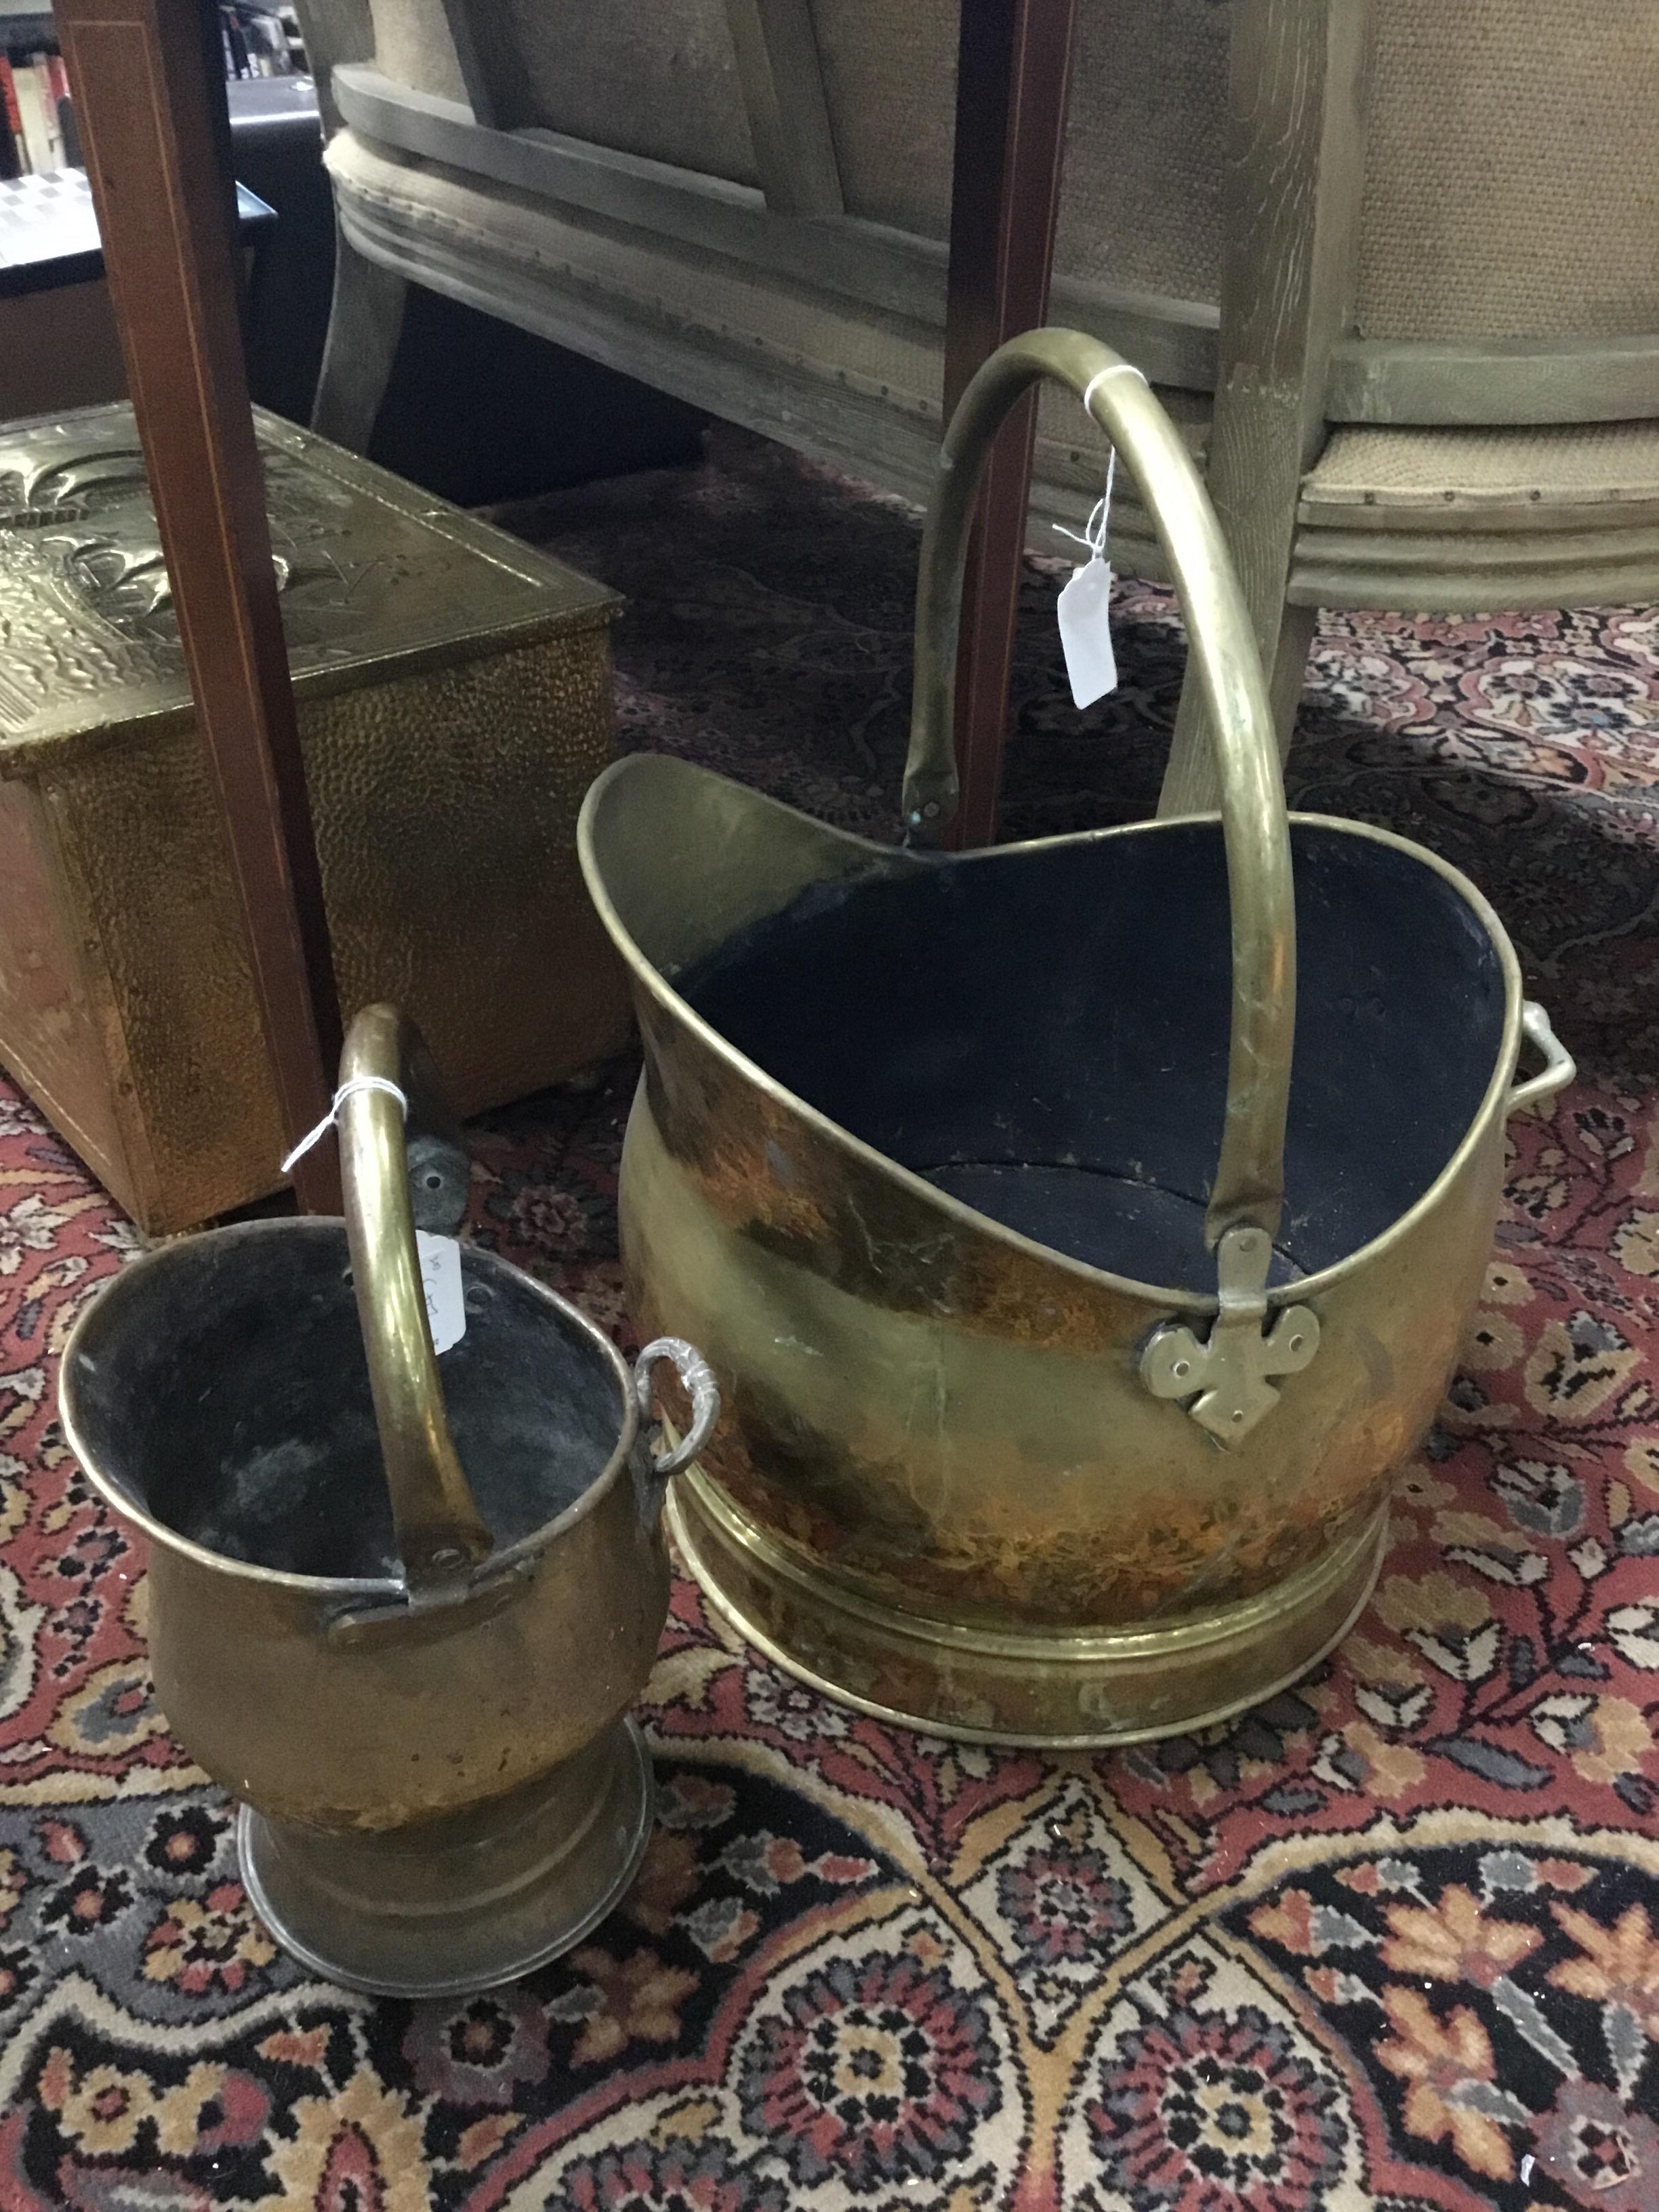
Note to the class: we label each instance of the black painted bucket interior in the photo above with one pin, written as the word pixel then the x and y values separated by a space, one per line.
pixel 224 1388
pixel 1043 1033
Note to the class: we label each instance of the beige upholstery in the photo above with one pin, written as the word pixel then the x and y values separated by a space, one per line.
pixel 890 84
pixel 413 45
pixel 1464 475
pixel 658 77
pixel 1512 171
pixel 1142 200
pixel 1143 178
pixel 659 81
pixel 1448 522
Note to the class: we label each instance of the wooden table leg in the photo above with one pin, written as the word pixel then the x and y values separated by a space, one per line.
pixel 148 77
pixel 1013 70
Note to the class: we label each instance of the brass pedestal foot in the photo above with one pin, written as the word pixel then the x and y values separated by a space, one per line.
pixel 464 1904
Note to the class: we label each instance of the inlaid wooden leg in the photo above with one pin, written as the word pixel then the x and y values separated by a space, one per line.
pixel 1012 82
pixel 364 324
pixel 150 98
pixel 1288 676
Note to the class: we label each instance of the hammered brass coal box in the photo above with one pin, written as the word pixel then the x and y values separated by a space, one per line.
pixel 454 695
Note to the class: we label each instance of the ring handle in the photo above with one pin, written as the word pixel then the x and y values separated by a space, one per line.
pixel 698 1379
pixel 441 1532
pixel 1560 1066
pixel 1248 1190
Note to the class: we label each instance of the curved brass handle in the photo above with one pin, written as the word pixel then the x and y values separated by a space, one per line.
pixel 1249 1181
pixel 441 1532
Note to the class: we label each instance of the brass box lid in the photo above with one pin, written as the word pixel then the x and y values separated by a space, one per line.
pixel 376 578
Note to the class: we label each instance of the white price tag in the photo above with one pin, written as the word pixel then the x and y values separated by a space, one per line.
pixel 1085 607
pixel 440 1279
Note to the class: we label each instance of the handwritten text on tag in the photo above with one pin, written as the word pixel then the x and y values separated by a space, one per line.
pixel 441 1279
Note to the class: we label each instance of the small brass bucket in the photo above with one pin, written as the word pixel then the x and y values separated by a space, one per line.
pixel 416 1683
pixel 1069 1345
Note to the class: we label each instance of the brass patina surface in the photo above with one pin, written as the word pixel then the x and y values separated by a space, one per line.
pixel 453 690
pixel 440 1787
pixel 944 1490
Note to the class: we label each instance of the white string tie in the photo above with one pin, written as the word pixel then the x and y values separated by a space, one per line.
pixel 346 1091
pixel 1093 534
pixel 1093 537
pixel 1112 368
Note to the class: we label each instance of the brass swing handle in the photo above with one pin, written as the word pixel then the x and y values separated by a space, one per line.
pixel 441 1534
pixel 1249 1182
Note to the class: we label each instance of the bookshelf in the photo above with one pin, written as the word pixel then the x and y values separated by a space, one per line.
pixel 35 109
pixel 260 40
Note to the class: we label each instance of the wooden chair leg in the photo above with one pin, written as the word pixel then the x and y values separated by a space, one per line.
pixel 1191 784
pixel 1288 676
pixel 364 322
pixel 1013 78
pixel 1295 159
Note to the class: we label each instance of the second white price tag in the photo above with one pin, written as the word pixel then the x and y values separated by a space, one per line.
pixel 441 1279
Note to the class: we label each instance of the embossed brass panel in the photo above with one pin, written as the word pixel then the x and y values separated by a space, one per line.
pixel 453 689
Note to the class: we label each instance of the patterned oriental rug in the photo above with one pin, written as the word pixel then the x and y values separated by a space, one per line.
pixel 1391 1940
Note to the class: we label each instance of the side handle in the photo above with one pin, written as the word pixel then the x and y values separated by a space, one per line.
pixel 1560 1066
pixel 697 1379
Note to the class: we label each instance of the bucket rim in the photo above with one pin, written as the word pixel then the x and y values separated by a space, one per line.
pixel 496 1563
pixel 1162 1296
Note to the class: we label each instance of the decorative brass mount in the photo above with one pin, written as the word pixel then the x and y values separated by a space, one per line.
pixel 1228 1379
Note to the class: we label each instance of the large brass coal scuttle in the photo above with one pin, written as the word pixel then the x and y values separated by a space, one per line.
pixel 1075 1290
pixel 399 1605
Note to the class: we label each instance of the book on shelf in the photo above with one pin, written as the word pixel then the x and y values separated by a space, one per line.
pixel 34 91
pixel 14 157
pixel 257 40
pixel 37 114
pixel 63 106
pixel 37 109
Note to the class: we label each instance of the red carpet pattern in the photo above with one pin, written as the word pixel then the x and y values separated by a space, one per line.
pixel 1391 1940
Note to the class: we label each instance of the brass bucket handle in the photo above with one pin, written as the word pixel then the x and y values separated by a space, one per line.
pixel 1249 1189
pixel 441 1532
